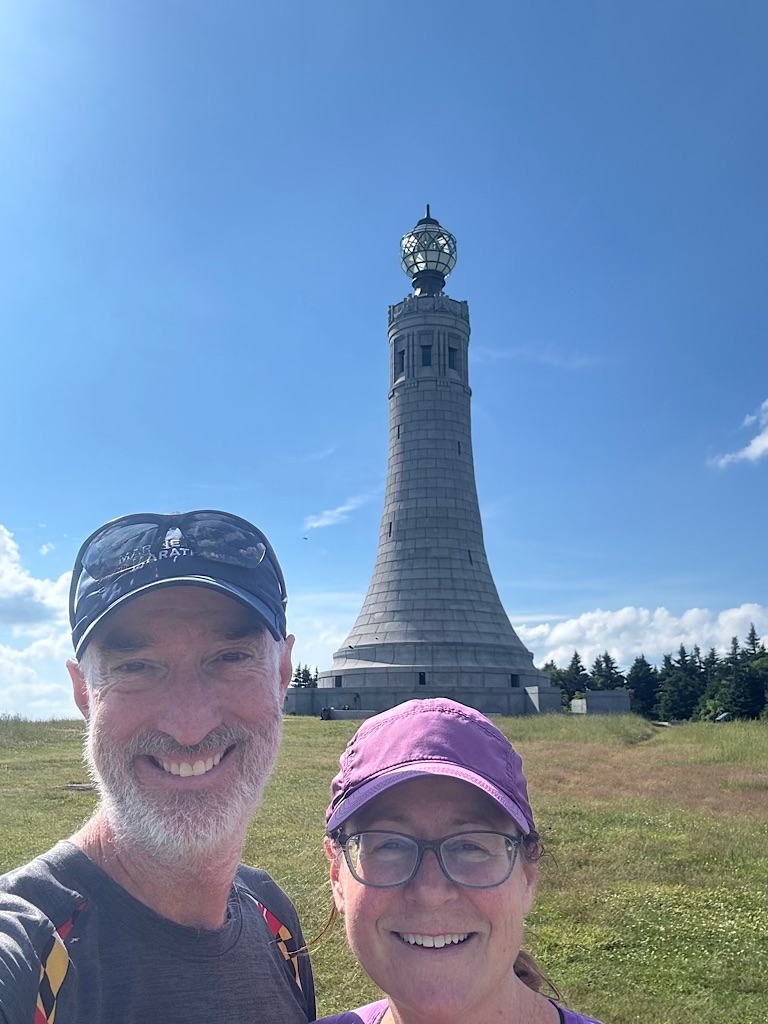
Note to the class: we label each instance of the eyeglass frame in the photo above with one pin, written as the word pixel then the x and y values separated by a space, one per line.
pixel 159 519
pixel 422 845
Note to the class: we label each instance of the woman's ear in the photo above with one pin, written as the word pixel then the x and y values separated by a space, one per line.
pixel 336 858
pixel 531 876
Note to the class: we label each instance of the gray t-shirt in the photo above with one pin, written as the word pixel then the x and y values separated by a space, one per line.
pixel 76 947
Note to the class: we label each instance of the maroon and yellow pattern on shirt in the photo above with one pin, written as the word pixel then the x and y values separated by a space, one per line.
pixel 54 965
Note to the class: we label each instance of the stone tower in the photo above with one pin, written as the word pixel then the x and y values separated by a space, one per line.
pixel 432 622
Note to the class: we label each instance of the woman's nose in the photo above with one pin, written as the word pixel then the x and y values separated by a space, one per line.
pixel 429 885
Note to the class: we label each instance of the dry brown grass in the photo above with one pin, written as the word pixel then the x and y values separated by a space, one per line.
pixel 593 773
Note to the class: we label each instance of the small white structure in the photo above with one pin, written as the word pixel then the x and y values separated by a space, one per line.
pixel 601 702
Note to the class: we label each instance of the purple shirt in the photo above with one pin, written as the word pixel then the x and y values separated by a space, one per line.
pixel 373 1013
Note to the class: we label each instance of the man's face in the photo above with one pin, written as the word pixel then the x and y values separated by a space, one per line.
pixel 185 713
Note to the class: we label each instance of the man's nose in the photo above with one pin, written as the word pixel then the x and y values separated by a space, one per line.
pixel 190 707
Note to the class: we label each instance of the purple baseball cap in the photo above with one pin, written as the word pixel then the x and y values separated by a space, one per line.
pixel 436 736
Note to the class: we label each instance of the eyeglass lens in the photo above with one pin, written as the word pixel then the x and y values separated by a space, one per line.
pixel 474 859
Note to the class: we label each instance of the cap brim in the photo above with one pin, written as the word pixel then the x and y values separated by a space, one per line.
pixel 374 787
pixel 229 589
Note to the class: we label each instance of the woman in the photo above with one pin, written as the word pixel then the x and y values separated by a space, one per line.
pixel 433 854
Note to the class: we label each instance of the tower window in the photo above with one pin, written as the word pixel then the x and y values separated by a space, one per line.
pixel 337 681
pixel 514 680
pixel 400 363
pixel 451 358
pixel 459 444
pixel 426 355
pixel 390 527
pixel 398 431
pixel 422 678
pixel 470 557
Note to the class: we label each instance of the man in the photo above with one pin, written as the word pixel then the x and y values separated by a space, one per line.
pixel 146 914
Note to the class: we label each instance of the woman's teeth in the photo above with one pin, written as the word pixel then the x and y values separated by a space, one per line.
pixel 433 941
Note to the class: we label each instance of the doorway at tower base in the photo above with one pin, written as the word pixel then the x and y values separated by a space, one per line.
pixel 521 700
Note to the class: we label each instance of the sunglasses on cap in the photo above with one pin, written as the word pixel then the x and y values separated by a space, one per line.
pixel 138 551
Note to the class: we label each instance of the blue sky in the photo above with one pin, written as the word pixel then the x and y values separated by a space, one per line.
pixel 200 212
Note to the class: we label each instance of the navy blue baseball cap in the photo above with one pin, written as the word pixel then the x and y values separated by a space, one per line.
pixel 136 553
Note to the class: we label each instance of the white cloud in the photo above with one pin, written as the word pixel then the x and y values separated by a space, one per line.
pixel 47 548
pixel 757 448
pixel 33 680
pixel 26 602
pixel 318 456
pixel 631 631
pixel 333 516
pixel 546 354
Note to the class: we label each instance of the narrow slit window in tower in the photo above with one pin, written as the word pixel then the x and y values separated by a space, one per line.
pixel 399 363
pixel 422 678
pixel 470 557
pixel 337 681
pixel 459 444
pixel 514 680
pixel 452 359
pixel 398 431
pixel 390 528
pixel 426 355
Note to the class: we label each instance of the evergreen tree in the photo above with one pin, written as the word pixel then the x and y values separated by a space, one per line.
pixel 760 669
pixel 296 679
pixel 741 689
pixel 611 677
pixel 754 662
pixel 596 674
pixel 642 682
pixel 710 667
pixel 575 678
pixel 666 673
pixel 710 704
pixel 556 678
pixel 681 687
pixel 754 647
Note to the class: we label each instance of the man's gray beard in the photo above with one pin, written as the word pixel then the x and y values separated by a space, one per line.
pixel 185 827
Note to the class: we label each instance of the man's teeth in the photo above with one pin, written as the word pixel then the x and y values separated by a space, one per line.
pixel 433 941
pixel 185 768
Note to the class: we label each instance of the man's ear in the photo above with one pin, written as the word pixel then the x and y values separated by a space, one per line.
pixel 336 857
pixel 286 666
pixel 79 688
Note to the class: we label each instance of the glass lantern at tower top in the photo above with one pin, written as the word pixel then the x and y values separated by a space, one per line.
pixel 428 255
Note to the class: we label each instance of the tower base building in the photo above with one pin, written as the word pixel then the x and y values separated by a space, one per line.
pixel 432 623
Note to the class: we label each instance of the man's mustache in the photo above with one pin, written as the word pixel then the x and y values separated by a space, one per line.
pixel 153 743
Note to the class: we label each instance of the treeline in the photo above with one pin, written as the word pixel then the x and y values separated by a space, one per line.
pixel 687 686
pixel 302 676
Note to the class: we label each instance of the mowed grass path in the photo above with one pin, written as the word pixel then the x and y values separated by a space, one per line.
pixel 653 903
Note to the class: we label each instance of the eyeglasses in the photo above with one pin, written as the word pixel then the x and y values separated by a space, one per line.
pixel 144 541
pixel 475 860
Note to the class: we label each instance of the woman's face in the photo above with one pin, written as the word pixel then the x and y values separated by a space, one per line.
pixel 474 975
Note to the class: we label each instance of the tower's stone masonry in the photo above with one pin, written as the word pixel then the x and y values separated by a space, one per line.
pixel 432 621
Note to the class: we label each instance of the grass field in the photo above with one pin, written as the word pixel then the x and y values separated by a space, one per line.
pixel 653 903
